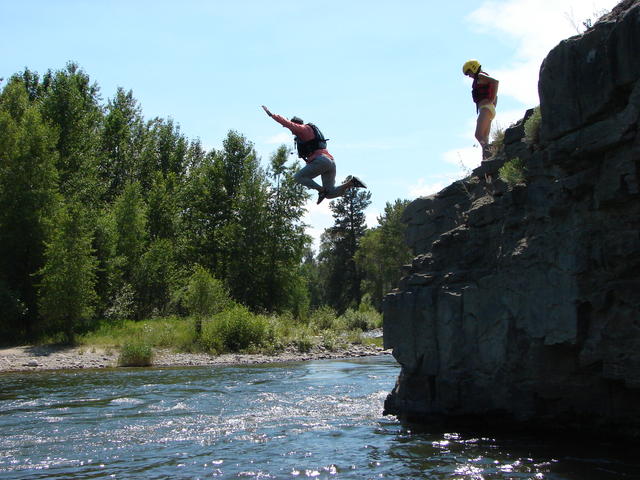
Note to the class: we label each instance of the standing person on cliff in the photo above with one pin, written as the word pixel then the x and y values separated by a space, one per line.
pixel 484 92
pixel 312 148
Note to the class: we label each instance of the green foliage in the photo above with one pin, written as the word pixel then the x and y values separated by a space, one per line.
pixel 104 216
pixel 323 318
pixel 28 202
pixel 363 320
pixel 169 332
pixel 513 172
pixel 204 296
pixel 236 330
pixel 497 139
pixel 338 250
pixel 303 343
pixel 135 353
pixel 155 279
pixel 70 102
pixel 532 127
pixel 123 304
pixel 382 253
pixel 67 293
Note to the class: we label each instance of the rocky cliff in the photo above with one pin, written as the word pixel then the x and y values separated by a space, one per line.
pixel 523 302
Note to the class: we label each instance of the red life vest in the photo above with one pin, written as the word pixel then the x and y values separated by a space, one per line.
pixel 481 91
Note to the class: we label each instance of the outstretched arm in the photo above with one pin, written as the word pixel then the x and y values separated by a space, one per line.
pixel 295 128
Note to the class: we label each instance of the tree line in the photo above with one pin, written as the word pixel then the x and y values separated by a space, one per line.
pixel 106 215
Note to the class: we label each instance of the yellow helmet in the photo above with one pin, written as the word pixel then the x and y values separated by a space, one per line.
pixel 472 66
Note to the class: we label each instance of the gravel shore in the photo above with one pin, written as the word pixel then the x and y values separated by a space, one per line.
pixel 38 358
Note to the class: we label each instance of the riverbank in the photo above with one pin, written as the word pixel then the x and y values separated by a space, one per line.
pixel 55 357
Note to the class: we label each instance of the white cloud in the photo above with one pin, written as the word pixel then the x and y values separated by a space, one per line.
pixel 424 189
pixel 534 28
pixel 504 119
pixel 466 159
pixel 372 218
pixel 319 218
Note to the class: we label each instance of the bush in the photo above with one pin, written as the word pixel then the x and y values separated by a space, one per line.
pixel 303 343
pixel 497 139
pixel 135 354
pixel 236 330
pixel 363 319
pixel 323 318
pixel 512 172
pixel 532 127
pixel 205 294
pixel 332 341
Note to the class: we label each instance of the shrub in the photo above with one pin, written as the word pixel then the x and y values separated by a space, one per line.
pixel 512 172
pixel 363 319
pixel 532 127
pixel 324 318
pixel 135 354
pixel 205 294
pixel 235 330
pixel 303 343
pixel 497 139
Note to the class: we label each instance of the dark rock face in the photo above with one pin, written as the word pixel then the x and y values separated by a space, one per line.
pixel 523 303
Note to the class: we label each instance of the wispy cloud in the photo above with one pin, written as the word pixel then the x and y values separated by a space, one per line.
pixel 466 159
pixel 534 27
pixel 279 139
pixel 319 218
pixel 424 188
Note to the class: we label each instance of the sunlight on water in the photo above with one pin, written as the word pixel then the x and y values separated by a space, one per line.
pixel 306 420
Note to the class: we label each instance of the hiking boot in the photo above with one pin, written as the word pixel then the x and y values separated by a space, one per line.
pixel 357 183
pixel 321 196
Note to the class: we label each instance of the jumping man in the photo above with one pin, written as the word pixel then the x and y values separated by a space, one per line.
pixel 312 148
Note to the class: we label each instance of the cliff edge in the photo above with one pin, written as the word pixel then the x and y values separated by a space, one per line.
pixel 522 305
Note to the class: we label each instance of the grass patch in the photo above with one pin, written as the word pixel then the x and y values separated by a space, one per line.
pixel 532 127
pixel 135 354
pixel 377 341
pixel 235 329
pixel 512 172
pixel 169 332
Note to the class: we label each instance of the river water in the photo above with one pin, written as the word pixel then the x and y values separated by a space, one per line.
pixel 319 419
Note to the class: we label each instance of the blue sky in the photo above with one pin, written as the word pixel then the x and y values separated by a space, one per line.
pixel 382 79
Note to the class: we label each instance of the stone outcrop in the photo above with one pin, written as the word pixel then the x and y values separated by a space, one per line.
pixel 523 302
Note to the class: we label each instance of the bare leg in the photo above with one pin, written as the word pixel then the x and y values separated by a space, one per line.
pixel 483 126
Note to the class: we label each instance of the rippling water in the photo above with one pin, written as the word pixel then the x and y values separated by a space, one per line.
pixel 304 420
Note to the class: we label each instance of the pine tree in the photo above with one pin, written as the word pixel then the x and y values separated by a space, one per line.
pixel 339 248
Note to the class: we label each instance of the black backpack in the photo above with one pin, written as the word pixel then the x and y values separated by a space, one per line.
pixel 317 143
